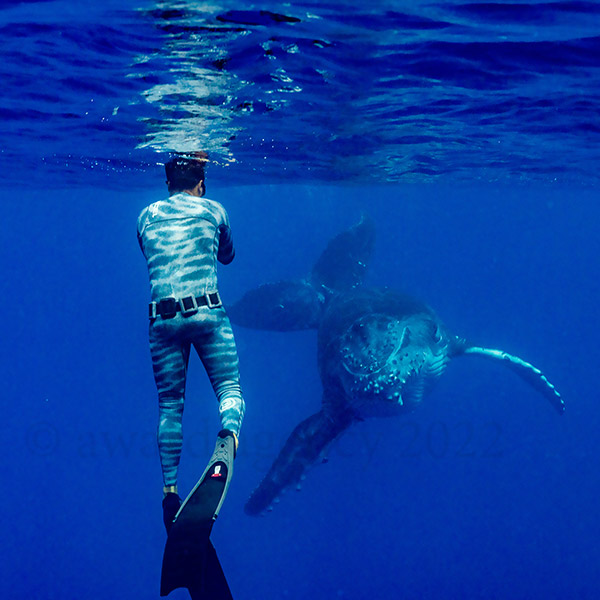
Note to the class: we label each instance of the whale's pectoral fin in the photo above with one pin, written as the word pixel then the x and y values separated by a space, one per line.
pixel 293 305
pixel 282 306
pixel 532 375
pixel 343 264
pixel 307 443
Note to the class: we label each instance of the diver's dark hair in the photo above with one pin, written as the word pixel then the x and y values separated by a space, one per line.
pixel 184 172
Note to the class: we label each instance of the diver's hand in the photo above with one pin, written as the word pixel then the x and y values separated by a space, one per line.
pixel 226 251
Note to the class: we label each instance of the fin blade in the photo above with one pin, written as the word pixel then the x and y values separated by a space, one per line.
pixel 214 583
pixel 526 371
pixel 188 546
pixel 302 449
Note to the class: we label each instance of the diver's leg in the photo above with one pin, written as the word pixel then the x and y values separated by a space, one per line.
pixel 169 363
pixel 217 351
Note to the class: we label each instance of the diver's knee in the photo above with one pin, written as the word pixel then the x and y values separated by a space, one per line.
pixel 228 388
pixel 171 401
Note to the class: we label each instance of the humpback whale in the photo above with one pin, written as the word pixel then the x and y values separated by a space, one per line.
pixel 378 351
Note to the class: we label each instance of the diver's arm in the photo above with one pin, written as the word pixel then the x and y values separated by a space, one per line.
pixel 226 252
pixel 139 234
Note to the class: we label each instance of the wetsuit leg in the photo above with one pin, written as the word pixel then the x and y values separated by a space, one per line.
pixel 169 363
pixel 218 353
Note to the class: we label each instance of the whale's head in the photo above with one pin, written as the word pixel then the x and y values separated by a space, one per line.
pixel 387 362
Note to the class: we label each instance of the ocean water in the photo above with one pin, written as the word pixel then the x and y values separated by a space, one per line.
pixel 468 131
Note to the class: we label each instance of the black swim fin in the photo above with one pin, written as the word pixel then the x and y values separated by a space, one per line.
pixel 190 560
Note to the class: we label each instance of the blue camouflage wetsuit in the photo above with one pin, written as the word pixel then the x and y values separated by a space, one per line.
pixel 182 238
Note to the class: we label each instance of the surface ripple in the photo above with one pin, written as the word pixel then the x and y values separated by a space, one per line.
pixel 324 91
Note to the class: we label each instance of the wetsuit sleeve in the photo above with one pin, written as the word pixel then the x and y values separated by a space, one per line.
pixel 226 251
pixel 139 233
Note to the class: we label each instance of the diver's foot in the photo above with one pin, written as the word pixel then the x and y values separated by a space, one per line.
pixel 171 503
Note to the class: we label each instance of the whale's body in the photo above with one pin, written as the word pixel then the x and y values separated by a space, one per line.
pixel 378 351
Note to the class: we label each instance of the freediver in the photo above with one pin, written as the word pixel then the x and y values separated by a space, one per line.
pixel 182 237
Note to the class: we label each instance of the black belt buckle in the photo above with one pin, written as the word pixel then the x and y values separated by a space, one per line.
pixel 188 306
pixel 213 300
pixel 167 308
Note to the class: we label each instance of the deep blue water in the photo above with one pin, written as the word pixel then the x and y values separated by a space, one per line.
pixel 468 131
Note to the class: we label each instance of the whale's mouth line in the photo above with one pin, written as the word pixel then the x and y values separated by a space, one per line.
pixel 390 358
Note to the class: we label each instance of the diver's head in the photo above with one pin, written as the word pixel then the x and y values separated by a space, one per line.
pixel 185 173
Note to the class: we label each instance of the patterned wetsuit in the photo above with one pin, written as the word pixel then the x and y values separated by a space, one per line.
pixel 182 238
